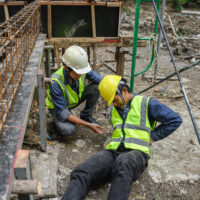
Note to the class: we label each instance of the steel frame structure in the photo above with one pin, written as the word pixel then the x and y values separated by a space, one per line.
pixel 17 39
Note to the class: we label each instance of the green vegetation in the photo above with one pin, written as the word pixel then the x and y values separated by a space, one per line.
pixel 179 4
pixel 126 10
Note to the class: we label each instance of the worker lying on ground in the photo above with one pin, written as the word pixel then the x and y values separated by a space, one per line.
pixel 67 90
pixel 126 156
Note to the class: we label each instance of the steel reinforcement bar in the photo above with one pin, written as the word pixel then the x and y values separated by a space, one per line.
pixel 17 39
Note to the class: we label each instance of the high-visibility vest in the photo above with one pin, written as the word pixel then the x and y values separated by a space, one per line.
pixel 71 97
pixel 135 130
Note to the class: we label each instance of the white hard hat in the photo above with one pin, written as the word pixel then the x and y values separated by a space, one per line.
pixel 76 58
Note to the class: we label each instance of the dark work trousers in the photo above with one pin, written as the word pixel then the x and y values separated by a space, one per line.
pixel 90 95
pixel 123 167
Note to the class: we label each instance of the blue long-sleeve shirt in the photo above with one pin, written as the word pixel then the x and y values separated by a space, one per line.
pixel 57 95
pixel 169 120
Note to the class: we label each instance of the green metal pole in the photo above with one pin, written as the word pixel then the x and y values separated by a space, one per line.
pixel 156 22
pixel 137 16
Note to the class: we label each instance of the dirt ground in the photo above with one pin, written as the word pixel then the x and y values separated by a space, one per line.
pixel 174 154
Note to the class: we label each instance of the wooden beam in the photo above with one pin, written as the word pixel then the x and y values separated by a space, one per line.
pixel 78 39
pixel 88 53
pixel 6 11
pixel 13 3
pixel 94 56
pixel 49 20
pixel 78 3
pixel 100 42
pixel 57 56
pixel 93 21
pixel 190 12
pixel 107 66
pixel 27 187
pixel 22 159
pixel 22 170
pixel 120 62
pixel 119 19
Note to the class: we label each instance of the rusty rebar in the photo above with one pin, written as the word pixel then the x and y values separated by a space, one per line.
pixel 17 39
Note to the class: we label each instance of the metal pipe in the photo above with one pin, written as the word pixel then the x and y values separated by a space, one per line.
pixel 137 17
pixel 173 74
pixel 178 75
pixel 159 37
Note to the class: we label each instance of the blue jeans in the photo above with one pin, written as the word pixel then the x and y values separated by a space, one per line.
pixel 122 167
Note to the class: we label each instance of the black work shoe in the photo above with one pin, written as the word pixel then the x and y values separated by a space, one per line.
pixel 90 120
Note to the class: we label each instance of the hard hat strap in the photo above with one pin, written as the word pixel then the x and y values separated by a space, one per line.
pixel 120 94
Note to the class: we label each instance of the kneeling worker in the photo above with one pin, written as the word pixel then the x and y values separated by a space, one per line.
pixel 133 118
pixel 67 91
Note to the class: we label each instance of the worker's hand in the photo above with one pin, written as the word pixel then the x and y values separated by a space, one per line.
pixel 97 128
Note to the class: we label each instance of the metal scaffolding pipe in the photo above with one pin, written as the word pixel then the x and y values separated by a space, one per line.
pixel 178 75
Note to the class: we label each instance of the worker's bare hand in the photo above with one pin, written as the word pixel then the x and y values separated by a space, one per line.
pixel 97 128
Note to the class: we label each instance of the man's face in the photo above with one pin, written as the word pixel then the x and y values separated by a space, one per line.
pixel 117 102
pixel 74 75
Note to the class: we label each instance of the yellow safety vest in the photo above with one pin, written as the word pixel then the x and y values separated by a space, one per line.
pixel 71 97
pixel 135 131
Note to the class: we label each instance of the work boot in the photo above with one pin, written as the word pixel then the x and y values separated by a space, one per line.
pixel 90 120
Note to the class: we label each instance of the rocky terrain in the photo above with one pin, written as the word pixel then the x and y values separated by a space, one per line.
pixel 174 167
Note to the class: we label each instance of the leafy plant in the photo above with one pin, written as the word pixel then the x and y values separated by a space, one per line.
pixel 126 10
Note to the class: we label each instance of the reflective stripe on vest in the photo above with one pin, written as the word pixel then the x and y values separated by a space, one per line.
pixel 130 140
pixel 59 77
pixel 132 126
pixel 136 127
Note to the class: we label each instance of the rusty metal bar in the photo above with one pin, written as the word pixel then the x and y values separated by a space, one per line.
pixel 17 39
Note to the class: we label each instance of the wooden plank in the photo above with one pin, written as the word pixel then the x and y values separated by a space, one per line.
pixel 57 56
pixel 93 21
pixel 22 158
pixel 113 4
pixel 107 66
pixel 100 42
pixel 13 3
pixel 49 20
pixel 26 187
pixel 94 56
pixel 78 3
pixel 190 12
pixel 119 19
pixel 78 39
pixel 120 63
pixel 22 171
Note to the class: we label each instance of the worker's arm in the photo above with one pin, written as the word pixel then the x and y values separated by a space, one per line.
pixel 93 76
pixel 64 113
pixel 95 127
pixel 169 120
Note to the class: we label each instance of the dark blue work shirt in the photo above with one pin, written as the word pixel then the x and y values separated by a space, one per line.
pixel 58 97
pixel 169 120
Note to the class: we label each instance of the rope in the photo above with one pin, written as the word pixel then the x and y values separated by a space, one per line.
pixel 176 33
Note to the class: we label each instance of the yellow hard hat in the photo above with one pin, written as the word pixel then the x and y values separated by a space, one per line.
pixel 108 87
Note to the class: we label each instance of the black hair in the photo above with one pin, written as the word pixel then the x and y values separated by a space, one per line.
pixel 68 69
pixel 123 84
